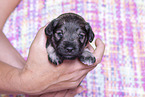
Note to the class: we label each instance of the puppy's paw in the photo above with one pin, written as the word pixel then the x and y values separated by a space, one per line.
pixel 87 57
pixel 52 56
pixel 88 60
pixel 54 59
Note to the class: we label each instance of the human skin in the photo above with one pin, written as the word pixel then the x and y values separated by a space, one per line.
pixel 39 76
pixel 64 76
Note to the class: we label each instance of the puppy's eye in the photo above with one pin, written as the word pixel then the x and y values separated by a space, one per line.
pixel 81 36
pixel 59 33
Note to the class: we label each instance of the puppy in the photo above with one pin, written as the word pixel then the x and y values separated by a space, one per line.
pixel 67 36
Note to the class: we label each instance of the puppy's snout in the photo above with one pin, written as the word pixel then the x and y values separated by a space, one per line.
pixel 69 48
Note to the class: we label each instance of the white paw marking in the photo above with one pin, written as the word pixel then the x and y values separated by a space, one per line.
pixel 52 56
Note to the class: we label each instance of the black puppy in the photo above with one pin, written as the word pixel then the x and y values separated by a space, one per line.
pixel 68 35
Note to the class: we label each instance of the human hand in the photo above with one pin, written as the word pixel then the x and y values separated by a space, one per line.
pixel 63 93
pixel 40 76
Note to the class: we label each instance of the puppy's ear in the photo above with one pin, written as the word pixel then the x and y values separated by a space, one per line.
pixel 50 27
pixel 90 32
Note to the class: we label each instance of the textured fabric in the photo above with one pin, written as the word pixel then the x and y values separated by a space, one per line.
pixel 119 23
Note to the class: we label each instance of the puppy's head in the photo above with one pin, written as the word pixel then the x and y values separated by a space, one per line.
pixel 69 34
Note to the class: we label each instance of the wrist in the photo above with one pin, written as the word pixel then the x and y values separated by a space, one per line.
pixel 14 82
pixel 30 82
pixel 9 82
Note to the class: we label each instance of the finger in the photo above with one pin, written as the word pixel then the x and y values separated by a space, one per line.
pixel 61 93
pixel 75 84
pixel 99 51
pixel 90 47
pixel 74 75
pixel 49 94
pixel 79 89
pixel 40 37
pixel 69 84
pixel 73 92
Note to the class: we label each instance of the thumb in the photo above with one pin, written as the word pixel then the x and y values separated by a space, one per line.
pixel 38 51
pixel 40 38
pixel 99 51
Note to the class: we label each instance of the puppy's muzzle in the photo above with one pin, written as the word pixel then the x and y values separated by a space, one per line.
pixel 68 50
pixel 69 47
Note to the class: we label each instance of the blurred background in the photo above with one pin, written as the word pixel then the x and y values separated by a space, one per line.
pixel 119 23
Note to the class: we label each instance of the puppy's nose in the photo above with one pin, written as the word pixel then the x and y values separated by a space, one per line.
pixel 69 49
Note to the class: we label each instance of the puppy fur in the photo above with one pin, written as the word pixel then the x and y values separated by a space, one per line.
pixel 67 37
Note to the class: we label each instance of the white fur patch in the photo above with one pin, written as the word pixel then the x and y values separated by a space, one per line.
pixel 52 55
pixel 50 49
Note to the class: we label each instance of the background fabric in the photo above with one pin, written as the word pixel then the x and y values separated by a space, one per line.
pixel 119 23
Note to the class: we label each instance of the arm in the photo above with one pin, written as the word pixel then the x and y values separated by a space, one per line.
pixel 8 53
pixel 9 79
pixel 39 76
pixel 6 7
